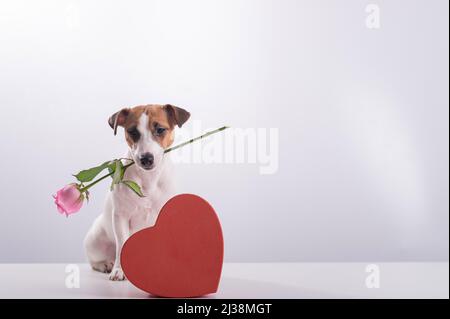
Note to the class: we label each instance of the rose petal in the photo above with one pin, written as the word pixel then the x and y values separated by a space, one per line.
pixel 69 199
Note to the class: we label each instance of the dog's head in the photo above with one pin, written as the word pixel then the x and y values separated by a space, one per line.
pixel 149 130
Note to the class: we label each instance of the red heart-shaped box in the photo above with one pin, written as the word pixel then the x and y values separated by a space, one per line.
pixel 181 255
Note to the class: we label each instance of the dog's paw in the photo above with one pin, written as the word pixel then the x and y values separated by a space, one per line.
pixel 105 267
pixel 117 274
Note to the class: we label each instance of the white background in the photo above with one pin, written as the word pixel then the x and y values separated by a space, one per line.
pixel 362 116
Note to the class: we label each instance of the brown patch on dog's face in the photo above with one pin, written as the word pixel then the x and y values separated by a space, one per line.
pixel 159 125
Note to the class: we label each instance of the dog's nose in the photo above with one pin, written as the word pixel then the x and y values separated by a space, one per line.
pixel 147 160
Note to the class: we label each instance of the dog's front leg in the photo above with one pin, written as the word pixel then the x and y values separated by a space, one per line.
pixel 121 230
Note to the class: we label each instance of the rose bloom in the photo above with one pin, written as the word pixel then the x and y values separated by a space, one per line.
pixel 69 199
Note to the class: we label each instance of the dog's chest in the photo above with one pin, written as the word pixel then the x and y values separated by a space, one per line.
pixel 152 194
pixel 152 199
pixel 146 207
pixel 143 211
pixel 140 211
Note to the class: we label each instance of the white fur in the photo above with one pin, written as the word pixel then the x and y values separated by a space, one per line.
pixel 146 143
pixel 126 213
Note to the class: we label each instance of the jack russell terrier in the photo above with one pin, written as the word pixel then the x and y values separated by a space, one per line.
pixel 149 130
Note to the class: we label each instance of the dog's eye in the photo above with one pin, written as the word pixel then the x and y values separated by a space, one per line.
pixel 134 134
pixel 160 131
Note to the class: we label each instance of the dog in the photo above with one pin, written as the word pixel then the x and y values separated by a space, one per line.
pixel 149 130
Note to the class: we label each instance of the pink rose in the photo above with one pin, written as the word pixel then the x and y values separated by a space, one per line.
pixel 69 199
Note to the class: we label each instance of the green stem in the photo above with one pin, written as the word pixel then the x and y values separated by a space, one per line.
pixel 195 139
pixel 170 149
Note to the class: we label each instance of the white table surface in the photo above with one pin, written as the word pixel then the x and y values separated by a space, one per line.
pixel 243 280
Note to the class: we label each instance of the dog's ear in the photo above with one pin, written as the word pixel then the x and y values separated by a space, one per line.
pixel 118 119
pixel 176 115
